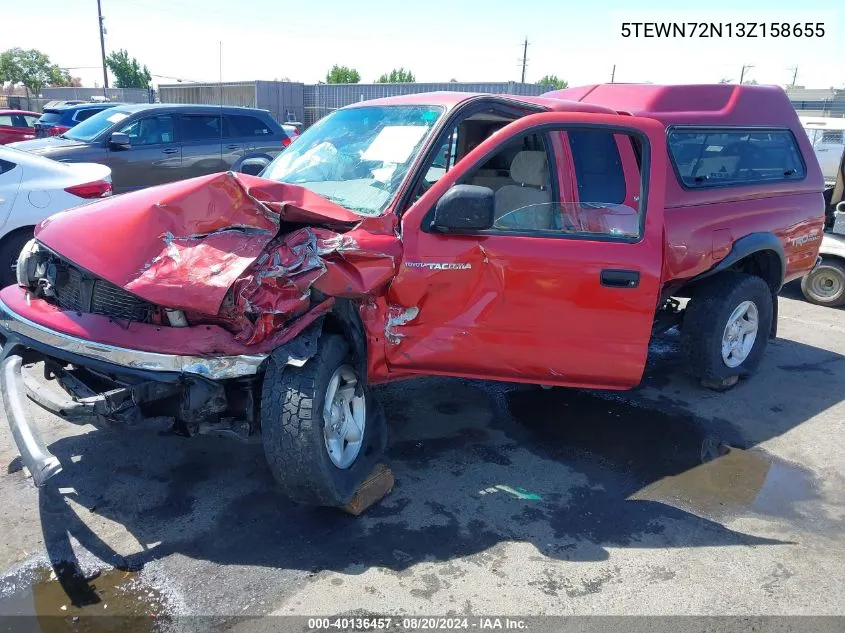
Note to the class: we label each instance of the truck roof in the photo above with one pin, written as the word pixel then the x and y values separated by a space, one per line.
pixel 693 104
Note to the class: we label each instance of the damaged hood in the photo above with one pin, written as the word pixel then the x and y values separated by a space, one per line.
pixel 183 245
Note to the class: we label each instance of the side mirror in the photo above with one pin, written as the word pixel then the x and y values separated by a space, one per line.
pixel 251 166
pixel 464 208
pixel 119 139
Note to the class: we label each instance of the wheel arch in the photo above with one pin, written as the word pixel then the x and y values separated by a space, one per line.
pixel 759 254
pixel 343 319
pixel 17 231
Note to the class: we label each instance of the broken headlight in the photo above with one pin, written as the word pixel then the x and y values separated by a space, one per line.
pixel 28 263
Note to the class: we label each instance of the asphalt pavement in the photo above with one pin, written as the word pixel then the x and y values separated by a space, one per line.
pixel 509 499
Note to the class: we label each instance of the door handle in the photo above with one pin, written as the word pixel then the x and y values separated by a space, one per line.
pixel 233 147
pixel 170 150
pixel 620 278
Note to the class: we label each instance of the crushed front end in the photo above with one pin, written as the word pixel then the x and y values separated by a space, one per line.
pixel 165 316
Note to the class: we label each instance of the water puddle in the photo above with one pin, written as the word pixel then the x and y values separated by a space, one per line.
pixel 735 482
pixel 663 455
pixel 67 600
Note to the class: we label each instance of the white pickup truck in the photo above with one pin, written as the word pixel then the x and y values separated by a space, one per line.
pixel 827 136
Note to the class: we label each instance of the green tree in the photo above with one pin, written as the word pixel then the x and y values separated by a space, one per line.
pixel 397 76
pixel 724 80
pixel 554 82
pixel 128 73
pixel 32 68
pixel 342 75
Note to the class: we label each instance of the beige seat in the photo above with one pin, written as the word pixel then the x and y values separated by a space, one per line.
pixel 516 205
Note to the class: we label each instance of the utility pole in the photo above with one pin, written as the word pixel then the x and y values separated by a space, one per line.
pixel 794 75
pixel 613 73
pixel 103 50
pixel 524 56
pixel 742 73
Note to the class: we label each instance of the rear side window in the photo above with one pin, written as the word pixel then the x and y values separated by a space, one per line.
pixel 240 125
pixel 735 157
pixel 87 113
pixel 200 127
pixel 6 165
pixel 5 119
pixel 50 118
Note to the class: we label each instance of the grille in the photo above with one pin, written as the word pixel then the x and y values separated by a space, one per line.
pixel 82 293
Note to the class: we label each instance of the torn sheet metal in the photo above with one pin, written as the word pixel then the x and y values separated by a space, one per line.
pixel 278 287
pixel 230 250
pixel 182 245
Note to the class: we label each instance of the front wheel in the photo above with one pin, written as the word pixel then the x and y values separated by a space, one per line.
pixel 726 328
pixel 322 433
pixel 825 286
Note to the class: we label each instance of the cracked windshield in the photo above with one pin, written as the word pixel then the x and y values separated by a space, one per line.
pixel 358 157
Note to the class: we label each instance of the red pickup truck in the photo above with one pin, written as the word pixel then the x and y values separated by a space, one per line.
pixel 533 239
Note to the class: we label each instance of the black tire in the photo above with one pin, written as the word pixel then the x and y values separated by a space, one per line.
pixel 10 248
pixel 825 286
pixel 292 429
pixel 707 317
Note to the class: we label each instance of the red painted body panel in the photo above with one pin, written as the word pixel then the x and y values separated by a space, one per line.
pixel 529 307
pixel 199 340
pixel 240 254
pixel 13 134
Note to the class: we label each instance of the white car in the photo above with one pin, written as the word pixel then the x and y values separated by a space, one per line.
pixel 33 188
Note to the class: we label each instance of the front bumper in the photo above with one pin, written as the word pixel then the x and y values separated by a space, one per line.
pixel 147 376
pixel 71 349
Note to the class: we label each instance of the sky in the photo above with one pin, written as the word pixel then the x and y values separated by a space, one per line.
pixel 439 40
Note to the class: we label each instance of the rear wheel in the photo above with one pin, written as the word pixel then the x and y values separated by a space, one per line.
pixel 10 248
pixel 726 328
pixel 322 433
pixel 825 286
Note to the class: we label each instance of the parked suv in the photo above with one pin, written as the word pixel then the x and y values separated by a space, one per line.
pixel 59 119
pixel 151 144
pixel 540 240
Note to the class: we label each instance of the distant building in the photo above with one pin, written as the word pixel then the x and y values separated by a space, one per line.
pixel 817 101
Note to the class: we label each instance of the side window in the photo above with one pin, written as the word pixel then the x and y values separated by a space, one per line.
pixel 519 176
pixel 598 166
pixel 152 130
pixel 30 120
pixel 247 126
pixel 87 113
pixel 6 165
pixel 443 161
pixel 528 197
pixel 200 127
pixel 707 158
pixel 5 119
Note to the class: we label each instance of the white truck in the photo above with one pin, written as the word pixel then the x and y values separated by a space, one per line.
pixel 827 136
